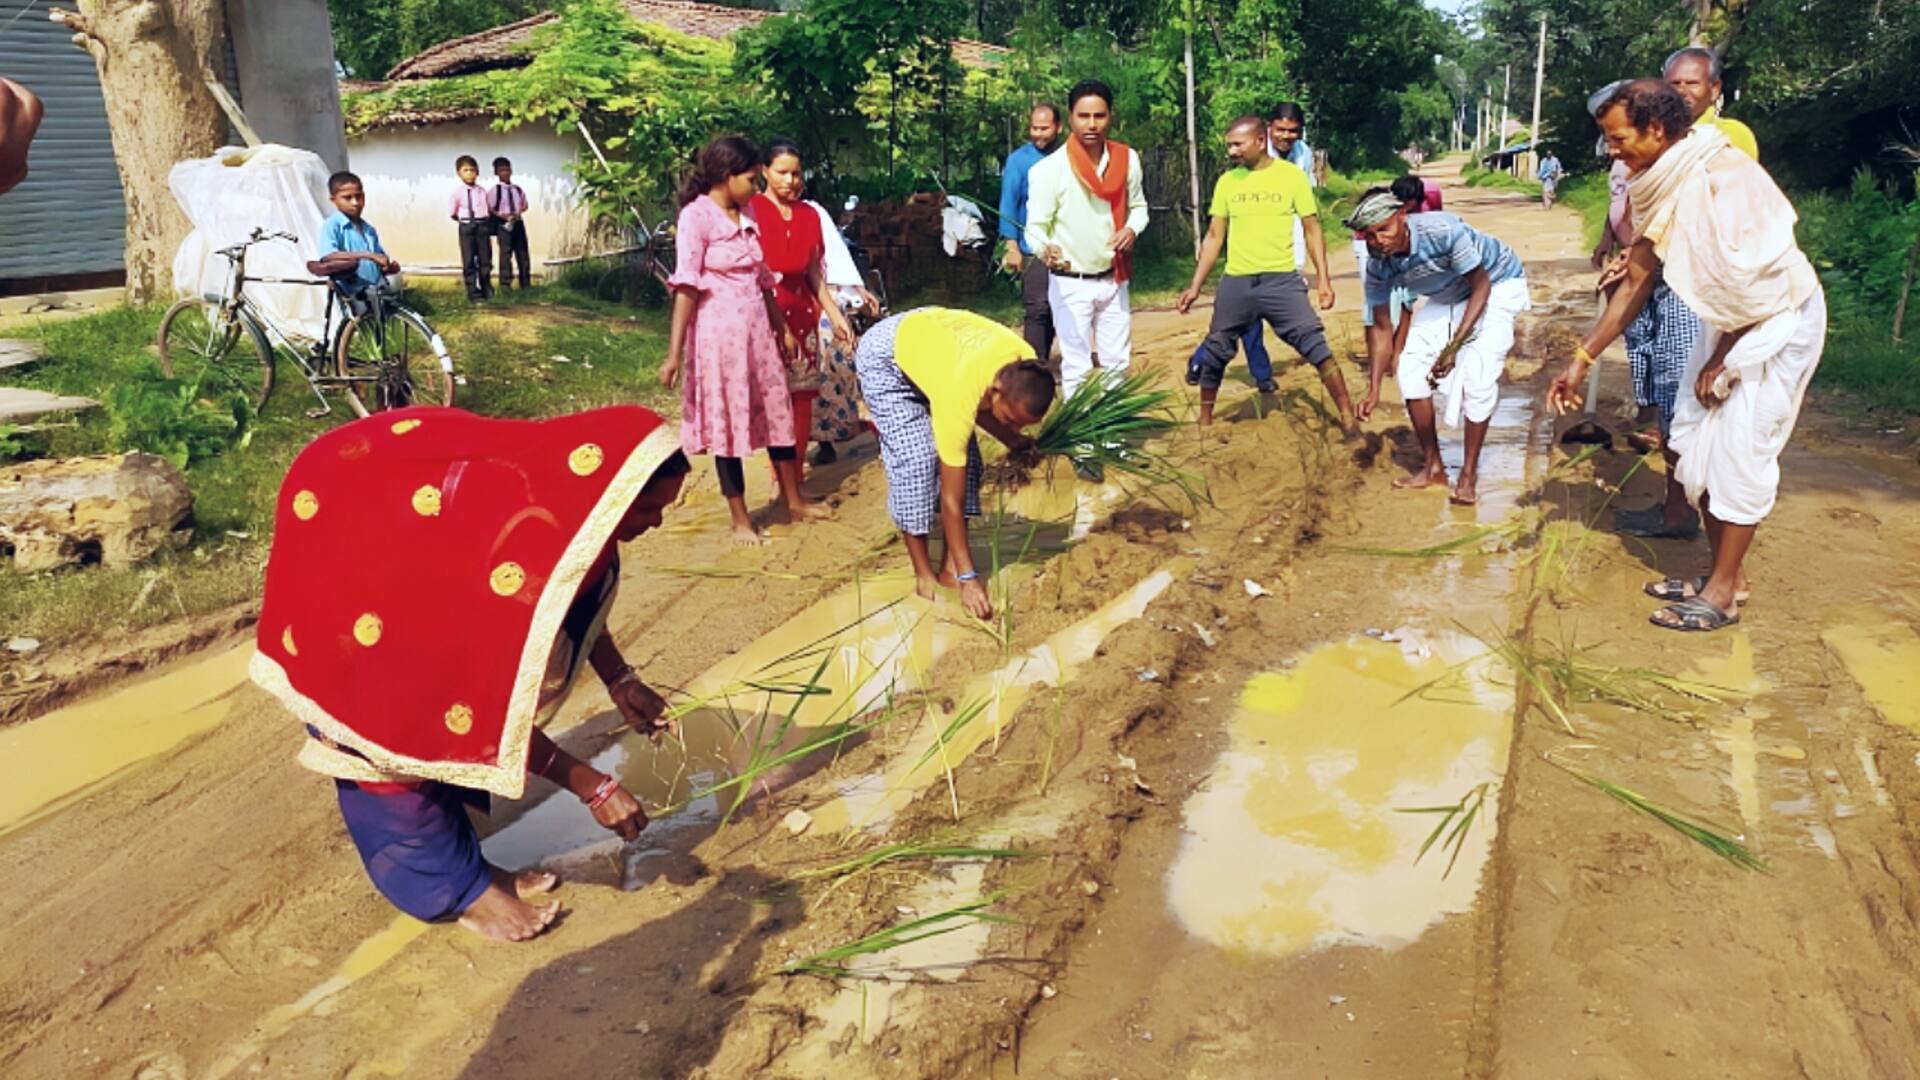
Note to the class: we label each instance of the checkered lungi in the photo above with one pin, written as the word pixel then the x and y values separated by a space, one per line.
pixel 901 415
pixel 1659 341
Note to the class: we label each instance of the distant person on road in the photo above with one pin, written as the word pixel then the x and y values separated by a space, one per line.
pixel 20 112
pixel 1475 287
pixel 1663 336
pixel 508 203
pixel 1043 134
pixel 932 378
pixel 469 210
pixel 727 346
pixel 424 677
pixel 1085 209
pixel 1256 207
pixel 1551 172
pixel 1716 229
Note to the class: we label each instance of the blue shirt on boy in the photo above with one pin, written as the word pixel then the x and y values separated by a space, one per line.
pixel 1441 251
pixel 342 233
pixel 1013 193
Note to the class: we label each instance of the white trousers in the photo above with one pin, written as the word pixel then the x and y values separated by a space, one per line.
pixel 1732 451
pixel 1472 388
pixel 1090 315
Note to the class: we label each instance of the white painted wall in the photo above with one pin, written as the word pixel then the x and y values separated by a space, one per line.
pixel 408 173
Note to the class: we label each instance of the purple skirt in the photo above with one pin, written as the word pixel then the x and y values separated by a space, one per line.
pixel 418 845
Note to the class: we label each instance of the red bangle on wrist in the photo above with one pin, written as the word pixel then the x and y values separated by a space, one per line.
pixel 602 793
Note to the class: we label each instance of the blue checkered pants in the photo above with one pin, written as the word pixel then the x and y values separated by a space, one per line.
pixel 1660 340
pixel 901 415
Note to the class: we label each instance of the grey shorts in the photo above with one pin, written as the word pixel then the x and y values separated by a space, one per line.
pixel 1244 299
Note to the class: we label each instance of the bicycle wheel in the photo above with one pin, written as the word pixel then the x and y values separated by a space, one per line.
pixel 204 344
pixel 392 364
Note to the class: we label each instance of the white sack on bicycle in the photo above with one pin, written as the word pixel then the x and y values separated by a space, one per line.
pixel 235 191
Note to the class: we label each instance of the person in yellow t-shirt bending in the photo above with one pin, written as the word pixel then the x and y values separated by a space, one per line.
pixel 1258 202
pixel 932 377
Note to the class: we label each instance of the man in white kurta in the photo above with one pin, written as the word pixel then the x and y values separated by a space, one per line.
pixel 1073 228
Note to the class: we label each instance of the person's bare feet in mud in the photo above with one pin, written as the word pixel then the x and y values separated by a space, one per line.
pixel 1466 492
pixel 1433 476
pixel 787 513
pixel 748 535
pixel 527 883
pixel 501 916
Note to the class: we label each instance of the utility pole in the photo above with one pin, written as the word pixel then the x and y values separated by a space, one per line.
pixel 1193 145
pixel 1539 80
pixel 1506 96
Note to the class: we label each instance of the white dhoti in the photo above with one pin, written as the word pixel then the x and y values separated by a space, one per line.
pixel 1090 315
pixel 1472 388
pixel 1732 452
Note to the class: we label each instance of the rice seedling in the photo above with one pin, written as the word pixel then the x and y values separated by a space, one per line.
pixel 1479 540
pixel 1720 843
pixel 831 963
pixel 1460 815
pixel 908 851
pixel 729 573
pixel 1104 425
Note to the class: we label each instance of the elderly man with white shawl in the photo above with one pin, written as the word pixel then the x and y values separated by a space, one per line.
pixel 1720 231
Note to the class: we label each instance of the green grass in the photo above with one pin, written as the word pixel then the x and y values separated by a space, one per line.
pixel 506 351
pixel 1588 194
pixel 1862 360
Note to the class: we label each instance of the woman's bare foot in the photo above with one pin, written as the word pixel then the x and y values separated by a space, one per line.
pixel 528 883
pixel 1425 478
pixel 747 534
pixel 806 511
pixel 502 916
pixel 1465 493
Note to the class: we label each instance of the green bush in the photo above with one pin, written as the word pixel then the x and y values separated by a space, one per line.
pixel 1859 241
pixel 168 417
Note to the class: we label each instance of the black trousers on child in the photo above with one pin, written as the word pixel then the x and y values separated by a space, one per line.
pixel 733 476
pixel 476 258
pixel 512 236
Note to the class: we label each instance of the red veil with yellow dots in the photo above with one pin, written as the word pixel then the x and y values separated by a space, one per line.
pixel 422 563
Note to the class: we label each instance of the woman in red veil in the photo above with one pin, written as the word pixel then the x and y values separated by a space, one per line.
pixel 437 581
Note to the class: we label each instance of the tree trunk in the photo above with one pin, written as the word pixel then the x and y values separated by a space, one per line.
pixel 154 57
pixel 1906 289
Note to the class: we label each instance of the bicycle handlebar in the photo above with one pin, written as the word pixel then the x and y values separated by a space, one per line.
pixel 260 236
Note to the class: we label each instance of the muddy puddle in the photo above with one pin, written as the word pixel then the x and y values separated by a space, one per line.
pixel 1882 654
pixel 60 757
pixel 1310 831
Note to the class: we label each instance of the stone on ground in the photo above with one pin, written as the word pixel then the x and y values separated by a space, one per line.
pixel 124 507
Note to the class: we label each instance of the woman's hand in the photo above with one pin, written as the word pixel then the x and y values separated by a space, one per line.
pixel 670 372
pixel 643 709
pixel 871 301
pixel 621 813
pixel 789 348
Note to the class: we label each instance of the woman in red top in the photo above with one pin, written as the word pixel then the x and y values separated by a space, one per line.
pixel 794 249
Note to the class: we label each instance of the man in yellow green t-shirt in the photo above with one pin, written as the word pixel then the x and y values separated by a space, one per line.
pixel 931 378
pixel 1257 203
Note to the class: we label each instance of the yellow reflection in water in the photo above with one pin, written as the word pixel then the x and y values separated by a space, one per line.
pixel 1882 654
pixel 1298 840
pixel 49 762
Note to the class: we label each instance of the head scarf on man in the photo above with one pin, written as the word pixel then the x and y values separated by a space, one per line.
pixel 423 562
pixel 1373 209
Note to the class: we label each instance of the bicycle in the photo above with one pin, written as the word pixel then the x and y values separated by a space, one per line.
pixel 372 353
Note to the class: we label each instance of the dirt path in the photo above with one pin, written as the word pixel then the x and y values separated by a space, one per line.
pixel 1210 785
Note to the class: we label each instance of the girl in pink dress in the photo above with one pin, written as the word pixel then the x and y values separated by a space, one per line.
pixel 727 348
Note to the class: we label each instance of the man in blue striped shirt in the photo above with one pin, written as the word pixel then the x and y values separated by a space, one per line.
pixel 1043 129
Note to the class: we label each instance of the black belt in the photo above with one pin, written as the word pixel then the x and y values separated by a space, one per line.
pixel 1107 273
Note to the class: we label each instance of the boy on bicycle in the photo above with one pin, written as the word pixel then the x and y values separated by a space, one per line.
pixel 353 255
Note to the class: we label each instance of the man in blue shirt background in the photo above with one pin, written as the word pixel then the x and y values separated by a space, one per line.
pixel 1456 349
pixel 1043 130
pixel 346 232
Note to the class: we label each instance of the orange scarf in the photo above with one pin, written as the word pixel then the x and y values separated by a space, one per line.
pixel 1111 187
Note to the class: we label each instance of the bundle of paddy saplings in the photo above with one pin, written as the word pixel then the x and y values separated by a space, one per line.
pixel 1106 425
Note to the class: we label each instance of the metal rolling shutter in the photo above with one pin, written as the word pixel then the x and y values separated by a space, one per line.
pixel 67 217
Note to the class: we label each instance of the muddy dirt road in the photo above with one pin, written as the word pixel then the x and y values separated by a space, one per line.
pixel 1204 730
